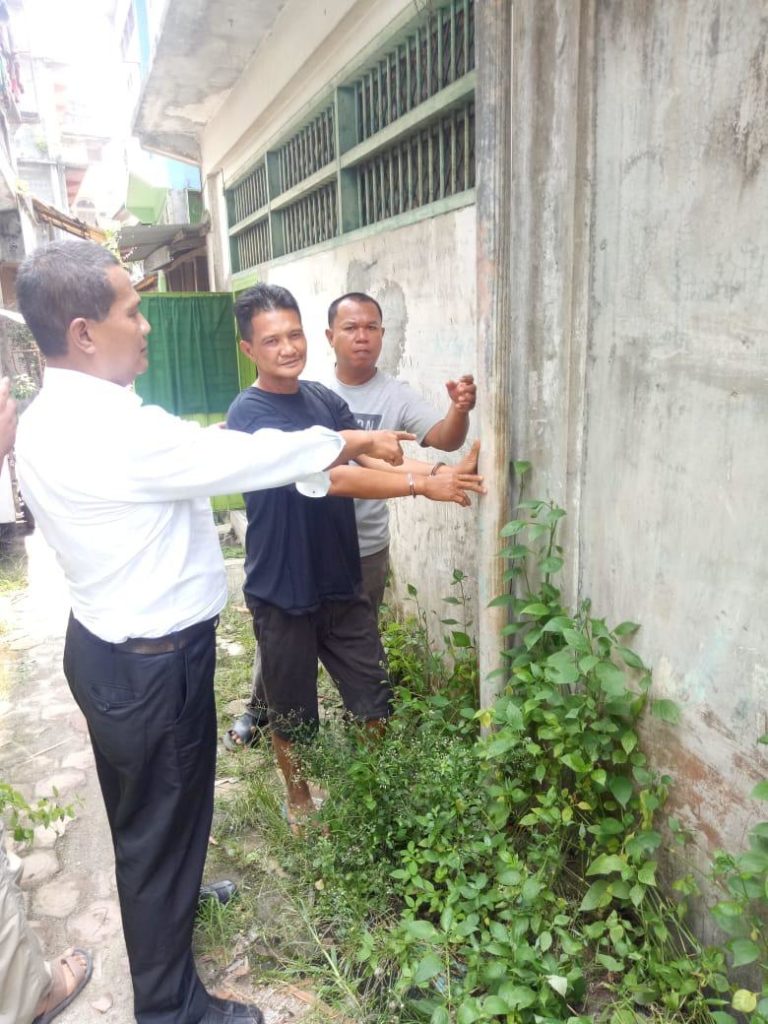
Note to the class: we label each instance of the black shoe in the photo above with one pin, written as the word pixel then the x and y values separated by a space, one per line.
pixel 225 1011
pixel 222 891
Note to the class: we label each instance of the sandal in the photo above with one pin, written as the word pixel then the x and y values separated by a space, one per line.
pixel 220 892
pixel 61 995
pixel 245 731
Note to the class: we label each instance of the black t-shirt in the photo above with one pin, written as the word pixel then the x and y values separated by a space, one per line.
pixel 298 551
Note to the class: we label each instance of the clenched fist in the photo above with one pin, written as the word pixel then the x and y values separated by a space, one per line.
pixel 462 392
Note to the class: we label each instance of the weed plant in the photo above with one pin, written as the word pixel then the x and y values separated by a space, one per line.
pixel 22 818
pixel 500 864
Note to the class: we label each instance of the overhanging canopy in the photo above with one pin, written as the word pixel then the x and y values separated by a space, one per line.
pixel 140 241
pixel 201 51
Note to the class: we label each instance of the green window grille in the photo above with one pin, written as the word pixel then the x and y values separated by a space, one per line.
pixel 431 164
pixel 253 244
pixel 250 194
pixel 430 58
pixel 396 136
pixel 310 220
pixel 307 151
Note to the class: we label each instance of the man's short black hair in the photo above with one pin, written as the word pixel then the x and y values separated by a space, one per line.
pixel 59 282
pixel 353 297
pixel 262 298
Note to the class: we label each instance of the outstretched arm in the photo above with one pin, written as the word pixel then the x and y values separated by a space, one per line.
pixel 377 444
pixel 357 482
pixel 468 464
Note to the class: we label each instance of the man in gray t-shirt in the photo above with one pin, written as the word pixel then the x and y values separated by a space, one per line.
pixel 378 402
pixel 355 332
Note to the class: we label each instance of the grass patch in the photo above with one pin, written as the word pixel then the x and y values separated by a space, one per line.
pixel 13 560
pixel 235 647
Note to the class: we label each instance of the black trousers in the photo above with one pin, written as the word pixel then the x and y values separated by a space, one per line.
pixel 152 721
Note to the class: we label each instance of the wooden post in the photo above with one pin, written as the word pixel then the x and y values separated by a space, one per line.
pixel 493 41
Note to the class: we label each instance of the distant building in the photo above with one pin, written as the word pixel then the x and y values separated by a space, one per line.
pixel 162 194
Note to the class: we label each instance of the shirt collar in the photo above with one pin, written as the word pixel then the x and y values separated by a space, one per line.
pixel 365 384
pixel 57 381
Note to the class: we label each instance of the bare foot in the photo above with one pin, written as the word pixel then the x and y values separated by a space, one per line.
pixel 70 973
pixel 299 816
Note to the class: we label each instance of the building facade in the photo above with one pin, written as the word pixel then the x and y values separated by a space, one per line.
pixel 567 197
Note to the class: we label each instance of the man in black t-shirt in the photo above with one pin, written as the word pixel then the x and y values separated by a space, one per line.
pixel 299 550
pixel 302 563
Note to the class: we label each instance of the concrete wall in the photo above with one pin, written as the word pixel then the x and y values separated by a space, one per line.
pixel 640 289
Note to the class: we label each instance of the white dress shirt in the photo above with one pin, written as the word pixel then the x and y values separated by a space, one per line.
pixel 120 491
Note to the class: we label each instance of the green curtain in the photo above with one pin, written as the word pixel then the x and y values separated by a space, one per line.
pixel 194 360
pixel 246 369
pixel 193 364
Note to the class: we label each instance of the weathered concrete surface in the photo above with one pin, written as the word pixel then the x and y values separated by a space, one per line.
pixel 177 100
pixel 641 299
pixel 677 390
pixel 493 150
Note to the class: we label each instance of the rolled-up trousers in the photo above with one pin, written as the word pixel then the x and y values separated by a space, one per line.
pixel 152 722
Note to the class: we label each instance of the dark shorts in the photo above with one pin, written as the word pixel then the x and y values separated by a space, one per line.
pixel 375 569
pixel 343 635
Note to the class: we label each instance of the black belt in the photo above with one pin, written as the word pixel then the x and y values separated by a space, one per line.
pixel 166 644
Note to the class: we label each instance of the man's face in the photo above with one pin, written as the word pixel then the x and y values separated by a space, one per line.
pixel 356 335
pixel 120 339
pixel 278 347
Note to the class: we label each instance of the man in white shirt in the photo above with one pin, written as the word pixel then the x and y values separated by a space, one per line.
pixel 120 491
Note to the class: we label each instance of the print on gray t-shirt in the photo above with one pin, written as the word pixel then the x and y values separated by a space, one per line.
pixel 383 403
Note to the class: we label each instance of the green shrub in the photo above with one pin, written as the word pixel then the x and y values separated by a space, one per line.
pixel 500 864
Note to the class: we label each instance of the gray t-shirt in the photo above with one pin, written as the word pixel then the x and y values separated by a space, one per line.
pixel 383 403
